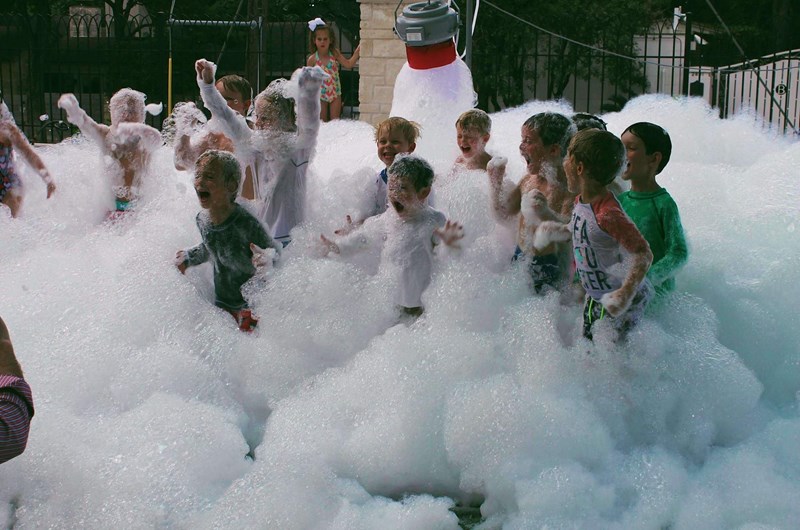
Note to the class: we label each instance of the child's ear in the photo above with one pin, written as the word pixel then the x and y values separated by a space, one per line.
pixel 486 137
pixel 412 146
pixel 423 193
pixel 657 156
pixel 554 150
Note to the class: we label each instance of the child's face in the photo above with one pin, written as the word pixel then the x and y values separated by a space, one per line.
pixel 322 40
pixel 471 142
pixel 212 190
pixel 235 100
pixel 405 200
pixel 639 163
pixel 532 149
pixel 266 115
pixel 390 144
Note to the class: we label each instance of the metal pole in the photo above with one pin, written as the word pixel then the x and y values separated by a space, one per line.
pixel 468 46
pixel 687 48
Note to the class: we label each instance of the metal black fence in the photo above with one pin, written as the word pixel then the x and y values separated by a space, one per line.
pixel 94 55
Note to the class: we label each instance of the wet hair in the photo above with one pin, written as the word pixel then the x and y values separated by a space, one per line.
pixel 655 140
pixel 584 120
pixel 409 130
pixel 282 107
pixel 475 120
pixel 127 99
pixel 553 128
pixel 237 83
pixel 312 45
pixel 414 168
pixel 601 152
pixel 228 165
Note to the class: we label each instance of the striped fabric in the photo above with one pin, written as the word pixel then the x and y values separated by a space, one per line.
pixel 16 411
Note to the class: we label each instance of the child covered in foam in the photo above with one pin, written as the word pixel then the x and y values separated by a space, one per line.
pixel 127 144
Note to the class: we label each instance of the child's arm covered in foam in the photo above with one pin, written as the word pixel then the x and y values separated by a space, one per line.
pixel 620 227
pixel 233 123
pixel 77 116
pixel 506 197
pixel 309 81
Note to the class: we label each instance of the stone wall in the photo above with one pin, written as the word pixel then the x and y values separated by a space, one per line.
pixel 382 56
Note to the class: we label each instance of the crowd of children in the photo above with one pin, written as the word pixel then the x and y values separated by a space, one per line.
pixel 575 227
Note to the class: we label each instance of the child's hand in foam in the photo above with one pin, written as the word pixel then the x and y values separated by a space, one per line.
pixel 496 168
pixel 311 78
pixel 205 71
pixel 616 302
pixel 451 234
pixel 533 205
pixel 263 258
pixel 69 103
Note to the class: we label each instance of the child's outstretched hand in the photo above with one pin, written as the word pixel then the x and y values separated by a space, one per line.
pixel 451 234
pixel 311 78
pixel 550 232
pixel 616 302
pixel 205 70
pixel 263 258
pixel 496 168
pixel 69 103
pixel 328 246
pixel 51 188
pixel 180 261
pixel 348 227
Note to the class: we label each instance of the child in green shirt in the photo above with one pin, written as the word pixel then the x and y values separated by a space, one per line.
pixel 650 207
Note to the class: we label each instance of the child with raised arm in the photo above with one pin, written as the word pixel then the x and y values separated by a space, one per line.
pixel 233 239
pixel 648 149
pixel 541 195
pixel 280 146
pixel 327 56
pixel 13 141
pixel 473 129
pixel 408 231
pixel 128 142
pixel 611 256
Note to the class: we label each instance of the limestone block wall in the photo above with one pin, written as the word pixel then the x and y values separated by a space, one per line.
pixel 382 56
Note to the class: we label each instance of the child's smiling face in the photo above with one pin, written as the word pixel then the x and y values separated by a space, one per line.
pixel 390 144
pixel 471 142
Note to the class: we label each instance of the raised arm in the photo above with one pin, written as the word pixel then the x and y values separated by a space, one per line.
pixel 77 116
pixel 16 402
pixel 309 81
pixel 233 123
pixel 26 151
pixel 506 198
pixel 351 62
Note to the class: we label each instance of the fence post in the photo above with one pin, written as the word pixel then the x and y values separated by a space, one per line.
pixel 687 48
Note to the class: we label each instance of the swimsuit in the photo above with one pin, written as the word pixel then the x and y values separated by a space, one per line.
pixel 8 177
pixel 332 86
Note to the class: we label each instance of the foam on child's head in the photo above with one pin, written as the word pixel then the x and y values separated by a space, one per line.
pixel 409 130
pixel 414 168
pixel 584 120
pixel 475 120
pixel 228 166
pixel 553 128
pixel 601 153
pixel 655 139
pixel 275 100
pixel 127 105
